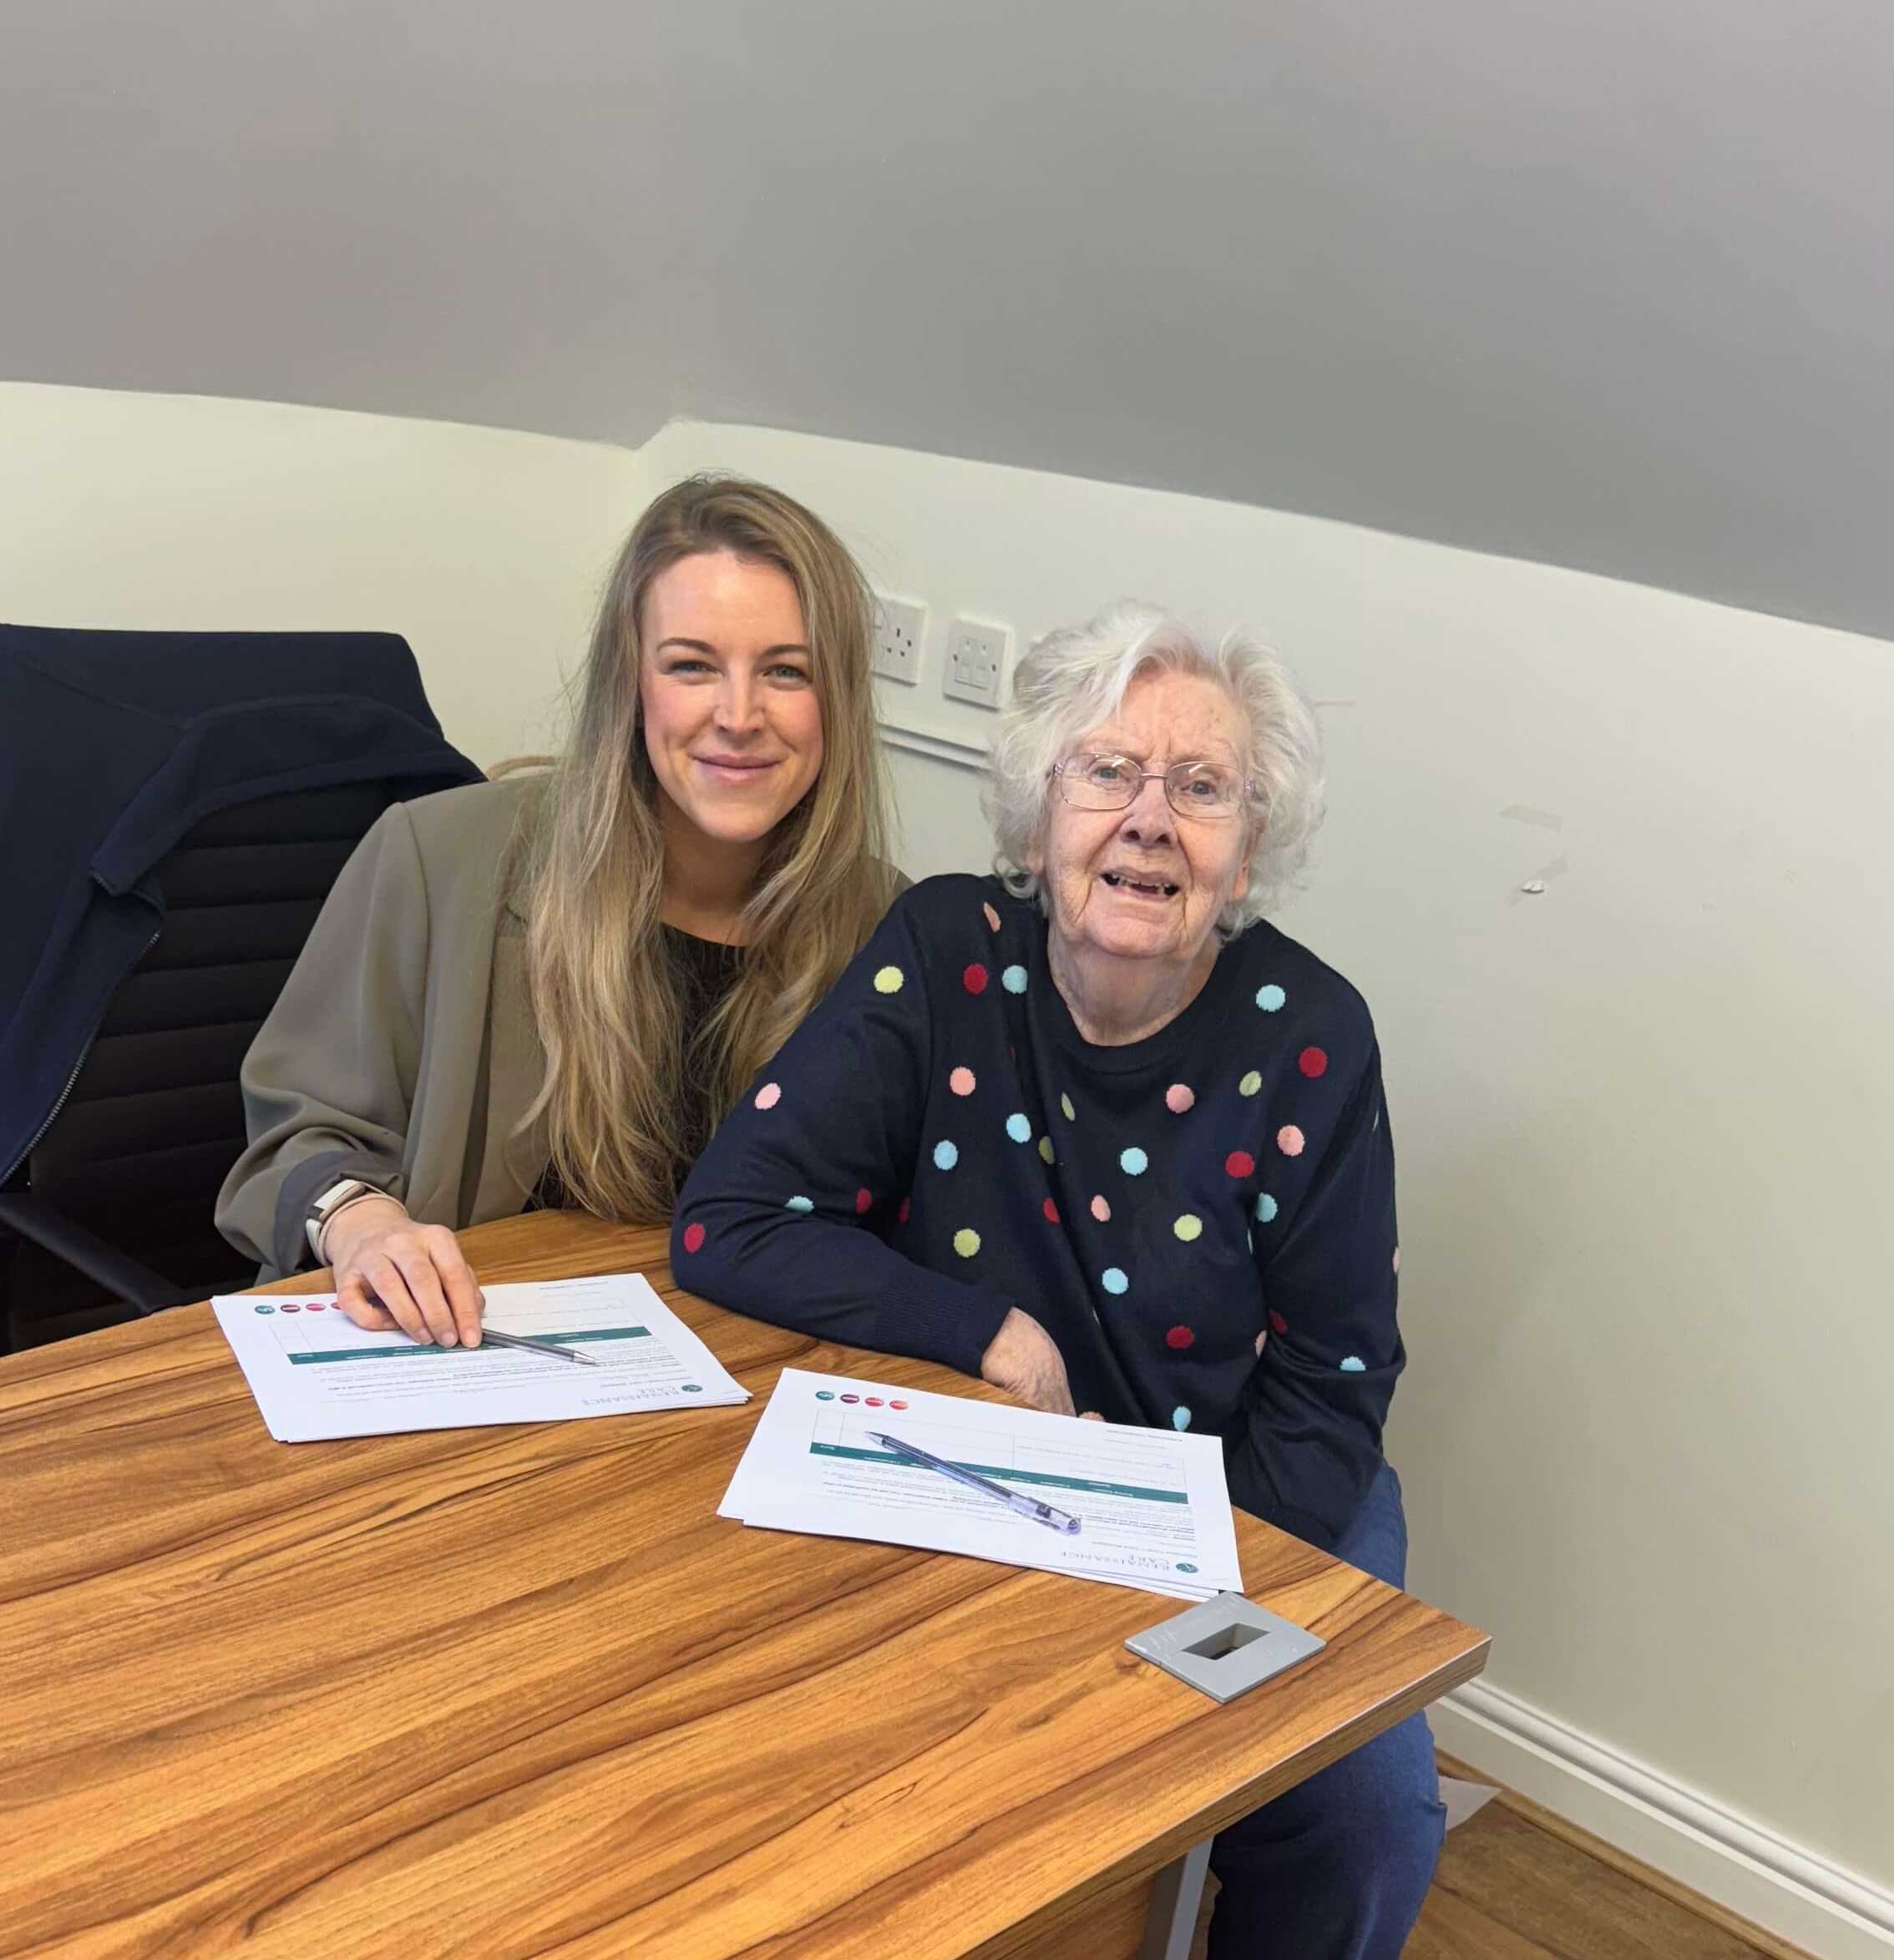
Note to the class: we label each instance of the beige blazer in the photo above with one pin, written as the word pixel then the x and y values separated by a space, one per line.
pixel 402 1050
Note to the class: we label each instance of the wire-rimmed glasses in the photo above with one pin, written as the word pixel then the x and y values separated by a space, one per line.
pixel 1089 782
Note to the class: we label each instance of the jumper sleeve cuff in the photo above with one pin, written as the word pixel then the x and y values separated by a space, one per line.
pixel 940 1319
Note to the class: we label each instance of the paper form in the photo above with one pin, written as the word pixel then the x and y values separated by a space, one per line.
pixel 316 1374
pixel 1154 1508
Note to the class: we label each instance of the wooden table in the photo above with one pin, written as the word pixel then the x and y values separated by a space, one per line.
pixel 518 1691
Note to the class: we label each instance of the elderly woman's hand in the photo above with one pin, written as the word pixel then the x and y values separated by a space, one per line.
pixel 1022 1360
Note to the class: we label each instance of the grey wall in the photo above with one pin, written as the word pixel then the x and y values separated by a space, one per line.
pixel 1608 286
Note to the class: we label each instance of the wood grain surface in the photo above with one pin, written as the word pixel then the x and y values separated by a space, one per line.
pixel 519 1691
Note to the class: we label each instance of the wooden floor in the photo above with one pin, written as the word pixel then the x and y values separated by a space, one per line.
pixel 1509 1889
pixel 1515 1884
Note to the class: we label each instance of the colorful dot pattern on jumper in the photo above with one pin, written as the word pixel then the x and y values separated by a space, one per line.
pixel 693 1239
pixel 1145 1204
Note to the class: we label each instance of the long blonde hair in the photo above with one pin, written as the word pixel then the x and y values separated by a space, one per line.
pixel 609 1006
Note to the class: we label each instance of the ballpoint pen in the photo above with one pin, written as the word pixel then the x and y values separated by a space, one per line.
pixel 1030 1508
pixel 492 1336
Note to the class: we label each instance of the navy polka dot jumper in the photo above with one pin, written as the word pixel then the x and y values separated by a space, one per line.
pixel 1204 1221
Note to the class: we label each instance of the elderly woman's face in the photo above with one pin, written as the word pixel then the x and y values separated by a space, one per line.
pixel 1144 882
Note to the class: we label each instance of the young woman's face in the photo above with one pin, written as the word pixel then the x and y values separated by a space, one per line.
pixel 732 724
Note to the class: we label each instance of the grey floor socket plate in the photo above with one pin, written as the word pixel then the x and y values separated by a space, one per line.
pixel 1225 1646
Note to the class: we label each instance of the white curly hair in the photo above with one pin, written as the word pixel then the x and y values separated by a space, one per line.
pixel 1075 678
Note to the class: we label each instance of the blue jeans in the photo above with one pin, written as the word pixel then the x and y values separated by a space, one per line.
pixel 1336 1868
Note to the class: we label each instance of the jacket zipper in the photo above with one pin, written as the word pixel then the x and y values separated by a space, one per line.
pixel 53 1114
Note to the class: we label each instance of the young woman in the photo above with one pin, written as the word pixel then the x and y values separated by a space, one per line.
pixel 548 988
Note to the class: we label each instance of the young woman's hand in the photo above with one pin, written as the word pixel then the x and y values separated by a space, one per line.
pixel 391 1273
pixel 1022 1359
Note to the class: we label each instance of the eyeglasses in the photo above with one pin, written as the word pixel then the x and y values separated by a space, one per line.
pixel 1114 782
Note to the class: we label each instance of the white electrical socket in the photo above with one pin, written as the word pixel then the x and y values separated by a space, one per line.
pixel 900 631
pixel 976 661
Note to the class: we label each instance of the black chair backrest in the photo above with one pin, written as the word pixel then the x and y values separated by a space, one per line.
pixel 154 1120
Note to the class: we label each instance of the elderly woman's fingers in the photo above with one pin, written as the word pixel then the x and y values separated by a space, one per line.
pixel 1090 1415
pixel 1023 1359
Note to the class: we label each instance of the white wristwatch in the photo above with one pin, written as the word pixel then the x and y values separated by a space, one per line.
pixel 345 1191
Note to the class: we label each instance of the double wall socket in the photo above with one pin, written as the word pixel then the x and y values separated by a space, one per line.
pixel 900 631
pixel 977 660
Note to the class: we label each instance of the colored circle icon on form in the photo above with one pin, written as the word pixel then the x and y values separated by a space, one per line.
pixel 292 1307
pixel 265 1310
pixel 851 1398
pixel 825 1394
pixel 873 1401
pixel 897 1404
pixel 693 1388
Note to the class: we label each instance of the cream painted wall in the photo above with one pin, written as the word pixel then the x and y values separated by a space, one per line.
pixel 485 548
pixel 1643 1119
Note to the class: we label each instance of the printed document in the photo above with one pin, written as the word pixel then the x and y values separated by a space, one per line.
pixel 316 1374
pixel 1153 1508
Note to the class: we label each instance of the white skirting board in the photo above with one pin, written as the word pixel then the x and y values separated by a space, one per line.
pixel 1799 1897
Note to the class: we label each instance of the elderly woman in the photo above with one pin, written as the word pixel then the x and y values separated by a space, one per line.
pixel 1094 1131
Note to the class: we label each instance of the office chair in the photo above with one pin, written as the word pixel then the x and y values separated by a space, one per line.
pixel 121 1120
